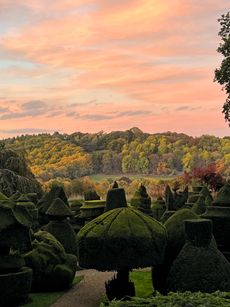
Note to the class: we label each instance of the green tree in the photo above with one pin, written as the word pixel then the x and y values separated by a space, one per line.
pixel 222 74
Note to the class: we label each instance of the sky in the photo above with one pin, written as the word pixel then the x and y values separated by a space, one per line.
pixel 104 65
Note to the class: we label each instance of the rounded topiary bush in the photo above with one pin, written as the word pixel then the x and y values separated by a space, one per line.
pixel 53 268
pixel 123 237
pixel 175 229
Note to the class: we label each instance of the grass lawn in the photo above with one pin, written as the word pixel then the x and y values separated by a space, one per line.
pixel 144 290
pixel 112 177
pixel 45 299
pixel 143 282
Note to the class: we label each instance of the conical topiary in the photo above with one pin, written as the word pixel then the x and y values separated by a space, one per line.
pixel 169 199
pixel 181 198
pixel 158 208
pixel 199 207
pixel 59 227
pixel 45 202
pixel 59 210
pixel 208 200
pixel 115 199
pixel 223 196
pixel 205 191
pixel 200 266
pixel 91 195
pixel 141 200
pixel 115 185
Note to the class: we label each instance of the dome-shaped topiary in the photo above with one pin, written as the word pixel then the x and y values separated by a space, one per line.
pixel 175 229
pixel 121 238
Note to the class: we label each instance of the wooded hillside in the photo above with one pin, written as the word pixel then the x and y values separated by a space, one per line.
pixel 127 152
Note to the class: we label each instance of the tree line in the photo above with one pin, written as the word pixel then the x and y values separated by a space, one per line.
pixel 119 152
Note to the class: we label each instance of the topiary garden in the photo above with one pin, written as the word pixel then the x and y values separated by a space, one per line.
pixel 183 235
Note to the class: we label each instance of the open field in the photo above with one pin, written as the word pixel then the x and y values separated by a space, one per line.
pixel 112 177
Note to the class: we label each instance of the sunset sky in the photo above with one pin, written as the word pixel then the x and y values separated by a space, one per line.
pixel 92 65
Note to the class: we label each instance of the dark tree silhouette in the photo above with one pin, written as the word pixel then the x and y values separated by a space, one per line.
pixel 222 74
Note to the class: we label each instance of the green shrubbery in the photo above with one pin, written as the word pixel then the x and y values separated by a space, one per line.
pixel 186 299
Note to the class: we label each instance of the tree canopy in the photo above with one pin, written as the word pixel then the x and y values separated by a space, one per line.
pixel 222 74
pixel 82 154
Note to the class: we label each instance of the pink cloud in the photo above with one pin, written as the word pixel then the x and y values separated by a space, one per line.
pixel 153 54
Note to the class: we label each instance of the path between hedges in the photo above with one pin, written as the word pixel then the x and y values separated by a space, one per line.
pixel 88 292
